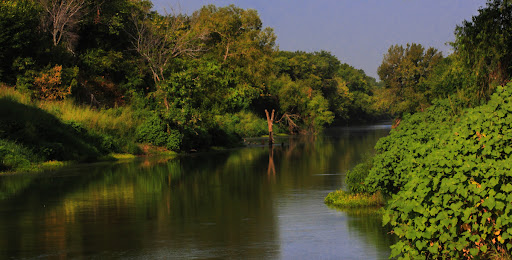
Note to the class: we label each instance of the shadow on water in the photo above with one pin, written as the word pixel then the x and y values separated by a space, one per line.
pixel 255 202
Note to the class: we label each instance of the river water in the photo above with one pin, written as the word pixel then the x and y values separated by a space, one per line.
pixel 248 203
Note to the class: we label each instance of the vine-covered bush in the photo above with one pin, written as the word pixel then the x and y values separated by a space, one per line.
pixel 457 201
pixel 401 152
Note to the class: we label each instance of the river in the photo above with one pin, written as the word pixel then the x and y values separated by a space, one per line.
pixel 246 203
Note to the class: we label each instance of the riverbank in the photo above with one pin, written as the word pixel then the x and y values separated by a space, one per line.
pixel 41 135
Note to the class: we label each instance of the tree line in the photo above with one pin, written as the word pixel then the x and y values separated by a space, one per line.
pixel 201 79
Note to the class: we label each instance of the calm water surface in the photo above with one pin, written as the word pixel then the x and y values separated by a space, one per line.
pixel 248 203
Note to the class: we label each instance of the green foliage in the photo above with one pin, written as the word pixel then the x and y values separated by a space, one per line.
pixel 402 71
pixel 448 77
pixel 484 45
pixel 311 108
pixel 204 79
pixel 15 157
pixel 154 130
pixel 358 103
pixel 356 177
pixel 101 62
pixel 18 19
pixel 243 123
pixel 453 190
pixel 318 114
pixel 317 90
pixel 415 137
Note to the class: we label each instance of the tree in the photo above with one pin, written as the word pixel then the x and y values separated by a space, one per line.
pixel 159 39
pixel 235 32
pixel 17 36
pixel 61 20
pixel 238 41
pixel 362 88
pixel 402 71
pixel 306 105
pixel 484 44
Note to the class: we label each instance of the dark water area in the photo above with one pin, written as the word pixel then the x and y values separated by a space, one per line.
pixel 248 203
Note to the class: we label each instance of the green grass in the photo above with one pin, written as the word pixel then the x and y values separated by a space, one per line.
pixel 344 199
pixel 117 121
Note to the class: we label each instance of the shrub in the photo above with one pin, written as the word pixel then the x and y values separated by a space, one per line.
pixel 55 83
pixel 355 179
pixel 154 131
pixel 15 157
pixel 243 123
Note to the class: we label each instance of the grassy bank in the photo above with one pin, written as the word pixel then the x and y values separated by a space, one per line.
pixel 36 135
pixel 342 199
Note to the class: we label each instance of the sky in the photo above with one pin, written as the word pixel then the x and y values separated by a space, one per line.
pixel 357 32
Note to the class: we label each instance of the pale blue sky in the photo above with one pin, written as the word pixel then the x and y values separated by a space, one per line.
pixel 357 32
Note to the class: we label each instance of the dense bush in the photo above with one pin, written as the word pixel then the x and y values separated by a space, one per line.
pixel 14 157
pixel 356 177
pixel 243 123
pixel 155 131
pixel 455 201
pixel 401 152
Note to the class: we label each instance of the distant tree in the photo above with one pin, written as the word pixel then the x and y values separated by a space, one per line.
pixel 402 71
pixel 485 46
pixel 235 32
pixel 361 105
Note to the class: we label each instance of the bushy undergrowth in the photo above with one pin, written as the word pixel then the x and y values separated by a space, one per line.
pixel 243 123
pixel 356 177
pixel 15 157
pixel 452 180
pixel 154 131
pixel 344 199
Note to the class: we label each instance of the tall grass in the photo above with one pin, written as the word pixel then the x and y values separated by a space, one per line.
pixel 115 121
pixel 33 131
pixel 10 93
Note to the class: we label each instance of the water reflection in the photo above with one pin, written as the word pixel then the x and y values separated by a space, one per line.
pixel 256 202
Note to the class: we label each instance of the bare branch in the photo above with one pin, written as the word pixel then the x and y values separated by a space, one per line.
pixel 163 38
pixel 62 17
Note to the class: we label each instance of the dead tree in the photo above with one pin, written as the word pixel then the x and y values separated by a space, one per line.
pixel 292 126
pixel 62 17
